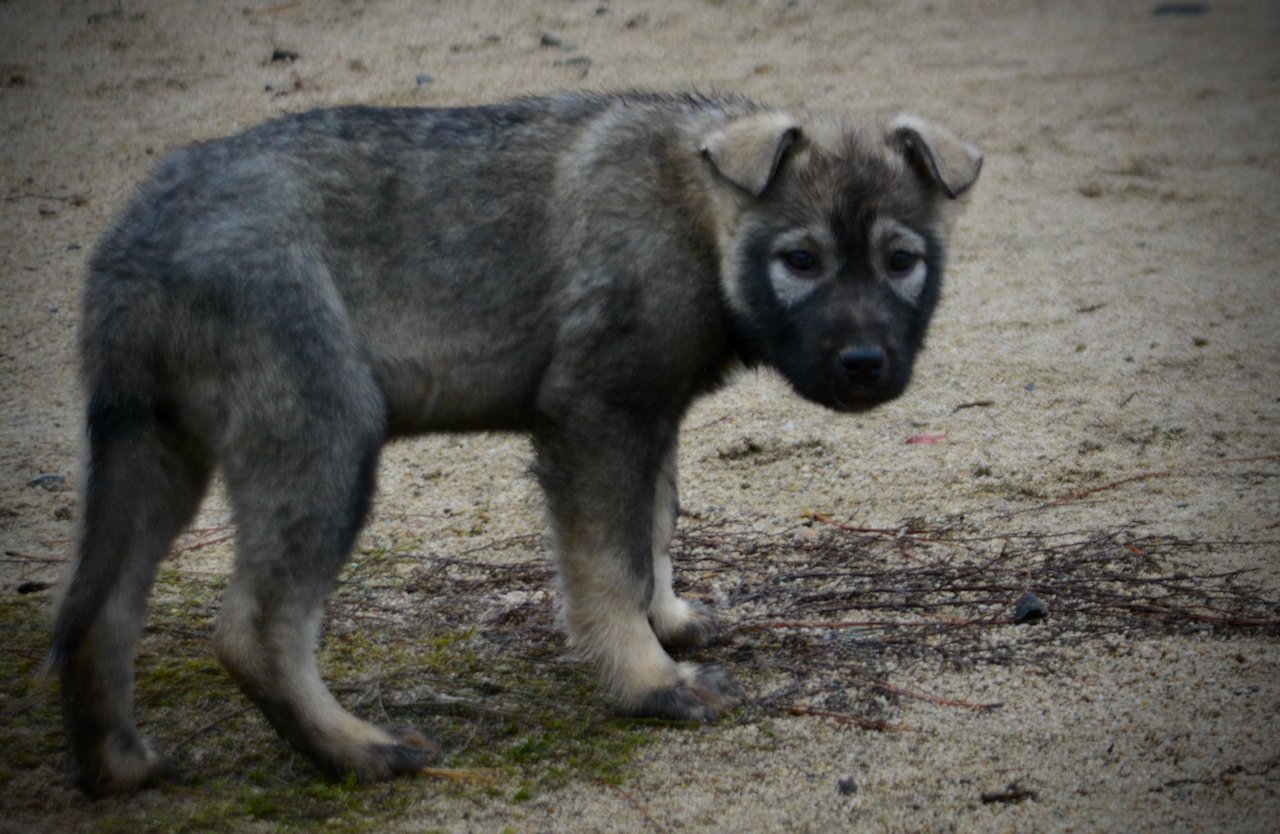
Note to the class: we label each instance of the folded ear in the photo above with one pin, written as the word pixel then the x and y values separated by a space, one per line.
pixel 938 155
pixel 748 151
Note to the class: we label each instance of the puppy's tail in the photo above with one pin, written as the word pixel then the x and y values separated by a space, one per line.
pixel 104 541
pixel 134 464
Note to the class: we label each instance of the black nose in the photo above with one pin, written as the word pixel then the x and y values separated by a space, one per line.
pixel 865 363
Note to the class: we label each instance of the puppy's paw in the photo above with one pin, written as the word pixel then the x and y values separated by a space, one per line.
pixel 693 629
pixel 121 764
pixel 405 752
pixel 703 693
pixel 411 752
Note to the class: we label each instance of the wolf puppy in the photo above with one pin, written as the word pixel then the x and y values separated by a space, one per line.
pixel 279 304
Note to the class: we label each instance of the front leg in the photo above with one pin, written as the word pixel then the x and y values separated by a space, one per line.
pixel 681 626
pixel 601 487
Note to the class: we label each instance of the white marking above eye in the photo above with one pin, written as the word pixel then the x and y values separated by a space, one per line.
pixel 889 236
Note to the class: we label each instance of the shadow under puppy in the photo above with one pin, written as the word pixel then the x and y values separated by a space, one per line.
pixel 277 305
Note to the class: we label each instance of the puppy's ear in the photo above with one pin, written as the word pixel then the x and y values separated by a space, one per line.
pixel 938 155
pixel 749 150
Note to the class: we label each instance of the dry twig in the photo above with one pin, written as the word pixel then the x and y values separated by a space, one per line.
pixel 796 606
pixel 1013 793
pixel 1163 473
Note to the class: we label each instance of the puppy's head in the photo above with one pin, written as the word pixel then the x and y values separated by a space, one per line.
pixel 832 237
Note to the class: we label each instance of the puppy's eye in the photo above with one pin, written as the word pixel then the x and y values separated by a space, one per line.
pixel 800 261
pixel 900 263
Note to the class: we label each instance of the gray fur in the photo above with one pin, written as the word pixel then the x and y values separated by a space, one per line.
pixel 278 304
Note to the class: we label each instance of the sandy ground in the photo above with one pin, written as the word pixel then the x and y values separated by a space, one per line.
pixel 1112 298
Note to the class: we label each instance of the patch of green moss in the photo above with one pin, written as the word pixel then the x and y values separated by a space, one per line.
pixel 30 726
pixel 508 715
pixel 553 749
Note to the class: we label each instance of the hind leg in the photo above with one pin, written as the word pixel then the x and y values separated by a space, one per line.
pixel 144 485
pixel 300 493
pixel 681 626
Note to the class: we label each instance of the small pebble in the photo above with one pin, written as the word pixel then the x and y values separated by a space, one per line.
pixel 846 786
pixel 49 480
pixel 1029 609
